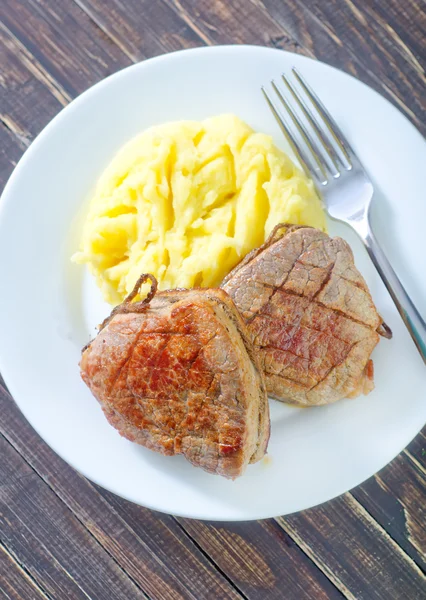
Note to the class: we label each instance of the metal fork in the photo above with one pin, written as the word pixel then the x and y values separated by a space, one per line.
pixel 327 157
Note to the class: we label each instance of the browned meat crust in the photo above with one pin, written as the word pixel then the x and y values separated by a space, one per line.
pixel 311 316
pixel 179 376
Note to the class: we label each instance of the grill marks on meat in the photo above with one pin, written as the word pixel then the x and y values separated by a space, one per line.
pixel 311 315
pixel 181 377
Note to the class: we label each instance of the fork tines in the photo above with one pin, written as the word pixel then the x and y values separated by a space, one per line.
pixel 315 137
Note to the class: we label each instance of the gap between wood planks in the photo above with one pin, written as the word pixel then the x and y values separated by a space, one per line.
pixel 22 579
pixel 208 557
pixel 315 13
pixel 84 503
pixel 338 588
pixel 109 34
pixel 358 509
pixel 97 542
pixel 207 39
pixel 39 73
pixel 103 500
pixel 397 493
pixel 56 574
pixel 316 558
pixel 420 467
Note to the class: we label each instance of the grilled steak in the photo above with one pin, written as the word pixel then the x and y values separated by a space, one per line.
pixel 311 316
pixel 178 375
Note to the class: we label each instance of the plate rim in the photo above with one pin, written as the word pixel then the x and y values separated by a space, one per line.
pixel 7 197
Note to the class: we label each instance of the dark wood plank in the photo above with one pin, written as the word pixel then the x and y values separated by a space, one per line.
pixel 165 550
pixel 300 30
pixel 358 41
pixel 404 23
pixel 69 34
pixel 221 22
pixel 359 557
pixel 261 560
pixel 142 28
pixel 160 541
pixel 417 450
pixel 64 41
pixel 396 499
pixel 11 151
pixel 407 20
pixel 15 583
pixel 285 25
pixel 50 542
pixel 213 541
pixel 11 45
pixel 32 96
pixel 299 27
pixel 29 98
pixel 150 547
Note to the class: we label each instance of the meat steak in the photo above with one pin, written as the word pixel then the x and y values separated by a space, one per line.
pixel 178 374
pixel 312 319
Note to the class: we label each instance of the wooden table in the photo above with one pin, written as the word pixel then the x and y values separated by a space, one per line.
pixel 63 537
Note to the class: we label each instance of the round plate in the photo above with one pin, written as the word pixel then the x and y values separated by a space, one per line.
pixel 49 307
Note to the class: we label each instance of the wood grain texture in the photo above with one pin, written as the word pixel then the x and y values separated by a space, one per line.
pixel 405 25
pixel 417 450
pixel 46 537
pixel 261 559
pixel 152 548
pixel 15 583
pixel 256 557
pixel 359 557
pixel 221 22
pixel 2 383
pixel 67 44
pixel 11 151
pixel 357 41
pixel 64 537
pixel 408 19
pixel 42 71
pixel 15 51
pixel 141 28
pixel 29 98
pixel 395 498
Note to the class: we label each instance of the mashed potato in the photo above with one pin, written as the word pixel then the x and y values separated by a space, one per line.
pixel 186 201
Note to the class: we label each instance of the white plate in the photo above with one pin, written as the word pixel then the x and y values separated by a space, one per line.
pixel 48 309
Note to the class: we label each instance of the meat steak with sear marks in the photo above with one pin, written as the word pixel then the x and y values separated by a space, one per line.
pixel 311 316
pixel 178 374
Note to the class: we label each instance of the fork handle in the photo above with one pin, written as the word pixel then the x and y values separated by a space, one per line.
pixel 409 313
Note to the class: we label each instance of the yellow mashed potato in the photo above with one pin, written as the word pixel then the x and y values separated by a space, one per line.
pixel 186 201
